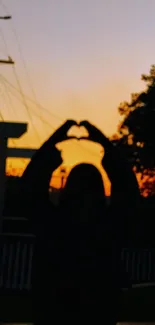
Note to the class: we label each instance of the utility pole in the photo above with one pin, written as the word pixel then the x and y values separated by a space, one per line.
pixel 13 131
pixel 5 17
pixel 3 147
pixel 9 61
pixel 63 174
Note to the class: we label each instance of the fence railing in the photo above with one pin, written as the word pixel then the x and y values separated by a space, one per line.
pixel 16 255
pixel 140 264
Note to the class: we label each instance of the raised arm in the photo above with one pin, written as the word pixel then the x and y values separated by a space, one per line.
pixel 34 185
pixel 36 177
pixel 125 193
pixel 123 180
pixel 124 185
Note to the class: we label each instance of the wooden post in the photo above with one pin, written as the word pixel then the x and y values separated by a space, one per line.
pixel 63 172
pixel 7 130
pixel 3 156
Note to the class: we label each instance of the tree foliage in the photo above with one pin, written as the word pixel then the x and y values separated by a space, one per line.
pixel 137 130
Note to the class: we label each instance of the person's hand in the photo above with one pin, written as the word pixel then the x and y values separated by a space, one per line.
pixel 95 134
pixel 61 133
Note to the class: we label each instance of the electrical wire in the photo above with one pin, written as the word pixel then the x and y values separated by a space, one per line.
pixel 24 64
pixel 13 142
pixel 51 126
pixel 6 53
pixel 20 51
pixel 4 8
pixel 21 56
pixel 20 89
pixel 34 112
pixel 28 77
pixel 44 121
pixel 25 104
pixel 5 45
pixel 33 102
pixel 10 101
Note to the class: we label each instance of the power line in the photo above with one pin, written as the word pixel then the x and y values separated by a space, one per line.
pixel 6 49
pixel 5 45
pixel 32 101
pixel 4 7
pixel 13 142
pixel 20 51
pixel 10 101
pixel 24 62
pixel 19 85
pixel 42 119
pixel 9 61
pixel 6 53
pixel 23 96
pixel 25 103
pixel 8 91
pixel 22 57
pixel 34 112
pixel 51 126
pixel 20 89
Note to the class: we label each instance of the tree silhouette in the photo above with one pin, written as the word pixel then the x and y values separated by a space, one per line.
pixel 137 132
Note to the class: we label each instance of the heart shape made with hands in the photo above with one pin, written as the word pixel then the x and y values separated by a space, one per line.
pixel 78 132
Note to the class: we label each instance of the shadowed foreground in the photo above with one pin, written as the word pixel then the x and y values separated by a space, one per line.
pixel 137 305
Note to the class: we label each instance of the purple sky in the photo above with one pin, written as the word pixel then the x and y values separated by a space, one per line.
pixel 83 56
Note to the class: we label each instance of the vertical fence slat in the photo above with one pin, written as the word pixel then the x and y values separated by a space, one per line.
pixel 2 264
pixel 9 265
pixel 16 256
pixel 23 265
pixel 138 270
pixel 16 262
pixel 16 266
pixel 149 267
pixel 30 267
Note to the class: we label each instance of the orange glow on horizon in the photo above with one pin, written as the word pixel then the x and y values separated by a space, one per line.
pixel 14 168
pixel 72 154
pixel 73 71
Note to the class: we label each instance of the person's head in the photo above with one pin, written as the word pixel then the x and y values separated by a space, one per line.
pixel 84 188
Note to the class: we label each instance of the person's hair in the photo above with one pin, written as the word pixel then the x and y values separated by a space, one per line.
pixel 84 181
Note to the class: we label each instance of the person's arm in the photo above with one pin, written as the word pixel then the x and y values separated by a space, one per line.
pixel 36 178
pixel 123 180
pixel 125 194
pixel 124 185
pixel 34 184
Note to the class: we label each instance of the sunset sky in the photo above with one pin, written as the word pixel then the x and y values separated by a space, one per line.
pixel 83 58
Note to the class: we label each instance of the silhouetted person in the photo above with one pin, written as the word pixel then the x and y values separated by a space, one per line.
pixel 76 265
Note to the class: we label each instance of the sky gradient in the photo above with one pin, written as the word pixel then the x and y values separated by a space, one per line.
pixel 83 58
